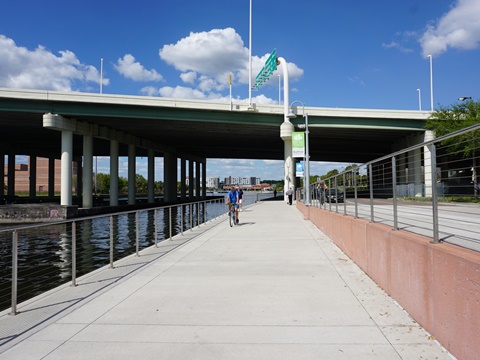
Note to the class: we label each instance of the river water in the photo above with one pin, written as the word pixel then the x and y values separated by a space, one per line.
pixel 45 251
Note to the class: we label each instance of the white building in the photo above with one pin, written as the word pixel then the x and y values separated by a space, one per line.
pixel 213 182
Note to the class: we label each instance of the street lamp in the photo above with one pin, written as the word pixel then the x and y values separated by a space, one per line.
pixel 419 100
pixel 431 83
pixel 465 98
pixel 306 182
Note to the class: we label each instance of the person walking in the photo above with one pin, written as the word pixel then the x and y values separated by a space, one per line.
pixel 321 192
pixel 290 195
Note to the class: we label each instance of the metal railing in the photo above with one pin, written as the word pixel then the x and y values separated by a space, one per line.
pixel 429 189
pixel 39 257
pixel 44 256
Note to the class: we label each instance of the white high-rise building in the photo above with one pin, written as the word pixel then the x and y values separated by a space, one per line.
pixel 213 182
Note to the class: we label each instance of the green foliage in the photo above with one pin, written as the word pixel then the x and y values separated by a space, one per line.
pixel 453 118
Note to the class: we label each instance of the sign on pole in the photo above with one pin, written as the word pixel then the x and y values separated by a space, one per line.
pixel 299 171
pixel 267 70
pixel 298 144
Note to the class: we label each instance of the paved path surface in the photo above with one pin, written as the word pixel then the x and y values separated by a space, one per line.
pixel 274 287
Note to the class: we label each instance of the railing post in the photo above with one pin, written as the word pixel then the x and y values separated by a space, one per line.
pixel 136 234
pixel 198 214
pixel 14 271
pixel 355 190
pixel 170 221
pixel 155 226
pixel 329 194
pixel 111 241
pixel 181 219
pixel 344 195
pixel 433 154
pixel 336 194
pixel 370 170
pixel 74 253
pixel 394 193
pixel 191 216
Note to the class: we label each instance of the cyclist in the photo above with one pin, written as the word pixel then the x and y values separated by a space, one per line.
pixel 232 200
pixel 240 199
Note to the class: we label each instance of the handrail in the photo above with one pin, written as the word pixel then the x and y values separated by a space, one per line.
pixel 67 242
pixel 388 177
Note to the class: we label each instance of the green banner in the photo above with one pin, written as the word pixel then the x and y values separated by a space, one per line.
pixel 298 144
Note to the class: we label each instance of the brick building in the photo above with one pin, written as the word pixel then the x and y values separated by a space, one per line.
pixel 22 175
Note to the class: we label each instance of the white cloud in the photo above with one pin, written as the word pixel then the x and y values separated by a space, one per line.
pixel 207 58
pixel 181 92
pixel 189 77
pixel 211 53
pixel 135 71
pixel 41 69
pixel 395 45
pixel 459 28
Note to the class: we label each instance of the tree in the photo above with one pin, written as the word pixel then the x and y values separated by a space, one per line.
pixel 456 117
pixel 141 184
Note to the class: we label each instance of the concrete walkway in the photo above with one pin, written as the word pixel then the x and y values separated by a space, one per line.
pixel 274 287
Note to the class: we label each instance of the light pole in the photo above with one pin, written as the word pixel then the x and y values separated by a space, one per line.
pixel 250 58
pixel 431 83
pixel 306 181
pixel 279 90
pixel 419 100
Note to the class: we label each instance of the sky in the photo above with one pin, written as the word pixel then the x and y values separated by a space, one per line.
pixel 345 53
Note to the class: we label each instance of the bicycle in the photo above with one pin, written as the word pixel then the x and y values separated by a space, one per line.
pixel 231 216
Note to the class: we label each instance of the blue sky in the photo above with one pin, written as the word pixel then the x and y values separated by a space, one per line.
pixel 346 53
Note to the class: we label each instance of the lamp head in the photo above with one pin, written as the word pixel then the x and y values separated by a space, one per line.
pixel 465 98
pixel 291 114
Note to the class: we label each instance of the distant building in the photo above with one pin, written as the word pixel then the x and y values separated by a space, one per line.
pixel 22 175
pixel 213 182
pixel 242 181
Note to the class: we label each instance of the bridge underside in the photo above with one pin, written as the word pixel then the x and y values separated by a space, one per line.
pixel 203 132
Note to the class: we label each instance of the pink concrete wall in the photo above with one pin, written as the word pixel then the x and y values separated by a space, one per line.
pixel 437 284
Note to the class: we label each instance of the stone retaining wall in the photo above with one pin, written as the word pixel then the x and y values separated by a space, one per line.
pixel 31 213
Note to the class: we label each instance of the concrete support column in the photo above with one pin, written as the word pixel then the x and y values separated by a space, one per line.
pixel 151 176
pixel 402 169
pixel 417 172
pixel 427 164
pixel 170 176
pixel 87 179
pixel 2 175
pixel 114 172
pixel 183 178
pixel 51 177
pixel 11 175
pixel 66 179
pixel 131 174
pixel 79 184
pixel 286 130
pixel 191 182
pixel 32 170
pixel 197 180
pixel 204 179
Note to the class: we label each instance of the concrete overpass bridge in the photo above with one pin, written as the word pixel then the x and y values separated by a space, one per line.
pixel 78 126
